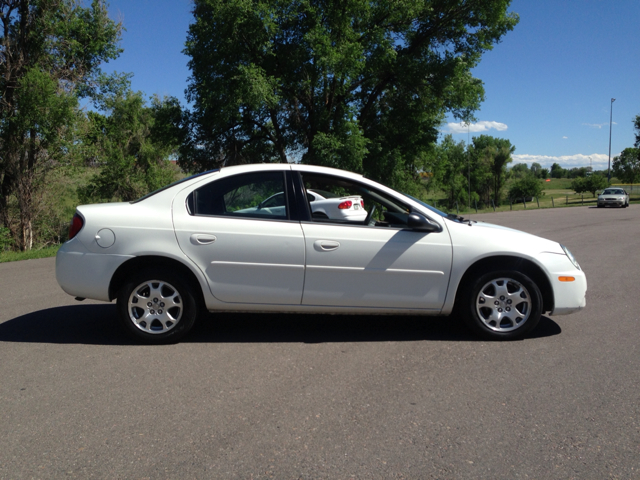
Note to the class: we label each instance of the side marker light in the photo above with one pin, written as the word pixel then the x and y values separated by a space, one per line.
pixel 567 279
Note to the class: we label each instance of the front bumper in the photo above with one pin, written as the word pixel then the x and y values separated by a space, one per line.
pixel 568 296
pixel 611 202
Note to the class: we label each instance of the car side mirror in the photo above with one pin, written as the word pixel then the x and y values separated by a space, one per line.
pixel 420 223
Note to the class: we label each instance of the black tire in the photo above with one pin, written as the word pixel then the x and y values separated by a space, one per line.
pixel 157 307
pixel 501 305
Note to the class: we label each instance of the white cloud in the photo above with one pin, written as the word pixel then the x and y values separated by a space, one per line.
pixel 564 138
pixel 599 161
pixel 483 126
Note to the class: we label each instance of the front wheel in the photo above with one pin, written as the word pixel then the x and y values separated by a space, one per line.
pixel 157 307
pixel 502 305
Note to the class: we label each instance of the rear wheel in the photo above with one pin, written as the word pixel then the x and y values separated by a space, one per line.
pixel 157 307
pixel 502 305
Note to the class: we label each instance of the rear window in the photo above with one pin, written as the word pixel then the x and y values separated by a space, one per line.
pixel 178 182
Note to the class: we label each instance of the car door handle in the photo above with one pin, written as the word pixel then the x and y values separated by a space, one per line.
pixel 326 245
pixel 202 239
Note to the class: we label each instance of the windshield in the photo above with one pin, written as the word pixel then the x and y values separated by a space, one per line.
pixel 178 182
pixel 450 216
pixel 611 191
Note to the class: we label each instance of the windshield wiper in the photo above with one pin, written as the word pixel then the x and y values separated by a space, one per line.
pixel 453 216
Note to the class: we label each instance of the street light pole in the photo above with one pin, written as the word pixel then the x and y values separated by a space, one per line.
pixel 469 168
pixel 610 119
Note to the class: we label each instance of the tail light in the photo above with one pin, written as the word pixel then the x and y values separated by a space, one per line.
pixel 76 225
pixel 362 203
pixel 345 205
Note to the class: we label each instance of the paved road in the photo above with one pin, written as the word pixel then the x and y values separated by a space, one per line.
pixel 250 396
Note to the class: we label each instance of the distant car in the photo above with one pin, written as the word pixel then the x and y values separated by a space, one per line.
pixel 613 197
pixel 323 205
pixel 249 238
pixel 328 205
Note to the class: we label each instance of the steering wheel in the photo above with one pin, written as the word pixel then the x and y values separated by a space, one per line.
pixel 370 221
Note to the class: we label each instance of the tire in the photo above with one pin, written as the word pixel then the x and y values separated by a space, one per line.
pixel 502 305
pixel 157 307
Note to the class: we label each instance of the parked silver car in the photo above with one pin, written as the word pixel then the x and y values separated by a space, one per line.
pixel 613 197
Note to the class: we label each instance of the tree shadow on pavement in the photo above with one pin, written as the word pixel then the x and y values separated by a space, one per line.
pixel 99 325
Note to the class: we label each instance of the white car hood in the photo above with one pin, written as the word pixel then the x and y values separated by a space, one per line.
pixel 478 235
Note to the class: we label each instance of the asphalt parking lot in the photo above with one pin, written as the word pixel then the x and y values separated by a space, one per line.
pixel 277 396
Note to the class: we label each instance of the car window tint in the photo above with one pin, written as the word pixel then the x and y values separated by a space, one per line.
pixel 258 195
pixel 349 202
pixel 277 200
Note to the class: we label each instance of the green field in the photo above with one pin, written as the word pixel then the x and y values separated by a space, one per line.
pixel 557 194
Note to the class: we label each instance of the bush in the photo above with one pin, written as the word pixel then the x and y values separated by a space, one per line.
pixel 6 242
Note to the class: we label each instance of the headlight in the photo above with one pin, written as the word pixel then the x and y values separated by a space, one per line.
pixel 571 257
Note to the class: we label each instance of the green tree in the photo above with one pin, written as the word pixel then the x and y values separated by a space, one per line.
pixel 526 186
pixel 51 51
pixel 578 172
pixel 557 171
pixel 579 185
pixel 357 84
pixel 535 169
pixel 519 170
pixel 626 166
pixel 133 143
pixel 591 184
pixel 451 170
pixel 490 157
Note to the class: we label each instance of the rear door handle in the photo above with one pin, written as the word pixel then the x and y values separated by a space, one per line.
pixel 202 239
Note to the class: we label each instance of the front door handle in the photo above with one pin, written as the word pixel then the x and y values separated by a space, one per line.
pixel 202 239
pixel 326 245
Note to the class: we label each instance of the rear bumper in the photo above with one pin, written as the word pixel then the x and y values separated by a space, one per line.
pixel 84 274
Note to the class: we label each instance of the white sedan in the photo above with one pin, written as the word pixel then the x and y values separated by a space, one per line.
pixel 325 205
pixel 617 197
pixel 196 245
pixel 329 205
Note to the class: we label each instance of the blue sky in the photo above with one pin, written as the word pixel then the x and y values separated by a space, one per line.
pixel 548 84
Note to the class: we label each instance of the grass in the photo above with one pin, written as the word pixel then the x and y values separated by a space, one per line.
pixel 10 256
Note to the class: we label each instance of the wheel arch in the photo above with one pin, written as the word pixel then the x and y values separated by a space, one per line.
pixel 155 261
pixel 507 262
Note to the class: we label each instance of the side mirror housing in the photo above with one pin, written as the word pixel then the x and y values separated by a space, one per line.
pixel 420 223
